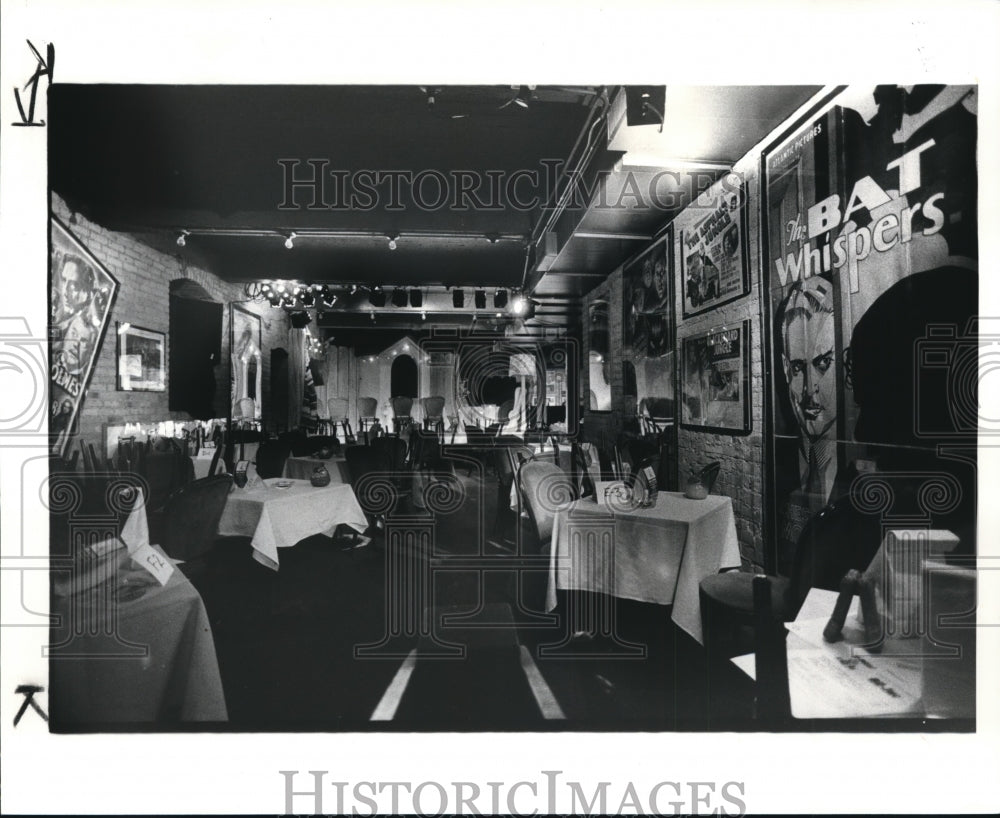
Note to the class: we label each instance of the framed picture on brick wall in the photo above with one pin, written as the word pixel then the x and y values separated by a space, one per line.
pixel 715 376
pixel 714 258
pixel 142 359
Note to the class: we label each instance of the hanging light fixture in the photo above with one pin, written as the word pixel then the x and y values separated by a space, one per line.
pixel 392 240
pixel 289 240
pixel 182 238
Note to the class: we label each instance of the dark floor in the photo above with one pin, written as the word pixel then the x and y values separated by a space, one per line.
pixel 287 642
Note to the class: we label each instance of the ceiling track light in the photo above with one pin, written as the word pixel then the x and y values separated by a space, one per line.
pixel 493 238
pixel 182 237
pixel 290 240
pixel 392 240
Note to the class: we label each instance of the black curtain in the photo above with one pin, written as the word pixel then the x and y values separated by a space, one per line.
pixel 195 351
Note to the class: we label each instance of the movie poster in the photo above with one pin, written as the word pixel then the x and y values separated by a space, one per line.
pixel 714 257
pixel 714 380
pixel 82 294
pixel 647 306
pixel 870 244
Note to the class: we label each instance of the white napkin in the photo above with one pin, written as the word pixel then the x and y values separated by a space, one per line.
pixel 135 533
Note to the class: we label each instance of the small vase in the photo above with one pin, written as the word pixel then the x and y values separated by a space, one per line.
pixel 696 489
pixel 320 477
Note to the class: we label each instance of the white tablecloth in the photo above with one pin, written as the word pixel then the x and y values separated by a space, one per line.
pixel 657 554
pixel 203 463
pixel 301 468
pixel 148 660
pixel 279 518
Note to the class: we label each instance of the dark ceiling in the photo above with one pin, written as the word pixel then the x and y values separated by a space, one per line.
pixel 216 161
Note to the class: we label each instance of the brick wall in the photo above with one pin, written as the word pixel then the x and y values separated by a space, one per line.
pixel 144 277
pixel 741 473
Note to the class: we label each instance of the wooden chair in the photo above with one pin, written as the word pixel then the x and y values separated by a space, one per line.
pixel 271 457
pixel 434 414
pixel 337 408
pixel 837 538
pixel 368 415
pixel 402 406
pixel 192 516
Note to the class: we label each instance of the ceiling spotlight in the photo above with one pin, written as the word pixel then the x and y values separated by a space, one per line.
pixel 523 94
pixel 423 315
pixel 289 240
pixel 499 315
pixel 281 286
pixel 492 238
pixel 392 240
pixel 372 315
pixel 480 299
pixel 500 299
pixel 458 298
pixel 399 297
pixel 354 289
pixel 520 305
pixel 182 238
pixel 416 298
pixel 265 287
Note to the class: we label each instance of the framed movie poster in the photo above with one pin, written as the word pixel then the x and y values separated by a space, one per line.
pixel 81 297
pixel 647 304
pixel 715 375
pixel 141 359
pixel 245 362
pixel 870 255
pixel 715 262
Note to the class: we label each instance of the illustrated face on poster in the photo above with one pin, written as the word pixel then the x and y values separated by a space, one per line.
pixel 81 297
pixel 871 215
pixel 808 356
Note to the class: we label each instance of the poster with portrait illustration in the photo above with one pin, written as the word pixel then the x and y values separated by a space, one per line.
pixel 715 263
pixel 647 307
pixel 715 374
pixel 870 243
pixel 81 295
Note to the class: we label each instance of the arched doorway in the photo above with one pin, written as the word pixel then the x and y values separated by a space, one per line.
pixel 403 377
pixel 195 349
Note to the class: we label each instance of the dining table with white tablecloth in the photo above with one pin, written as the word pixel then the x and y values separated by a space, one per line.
pixel 278 513
pixel 302 468
pixel 657 554
pixel 127 650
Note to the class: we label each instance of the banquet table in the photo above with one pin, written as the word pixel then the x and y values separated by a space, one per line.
pixel 658 554
pixel 276 517
pixel 116 659
pixel 301 468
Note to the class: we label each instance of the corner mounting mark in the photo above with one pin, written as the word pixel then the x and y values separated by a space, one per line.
pixel 29 691
pixel 43 68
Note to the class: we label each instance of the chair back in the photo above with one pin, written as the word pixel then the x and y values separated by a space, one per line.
pixel 544 487
pixel 433 407
pixel 509 454
pixel 392 450
pixel 337 408
pixel 81 495
pixel 271 457
pixel 192 517
pixel 401 406
pixel 367 407
pixel 836 539
pixel 503 412
pixel 165 472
